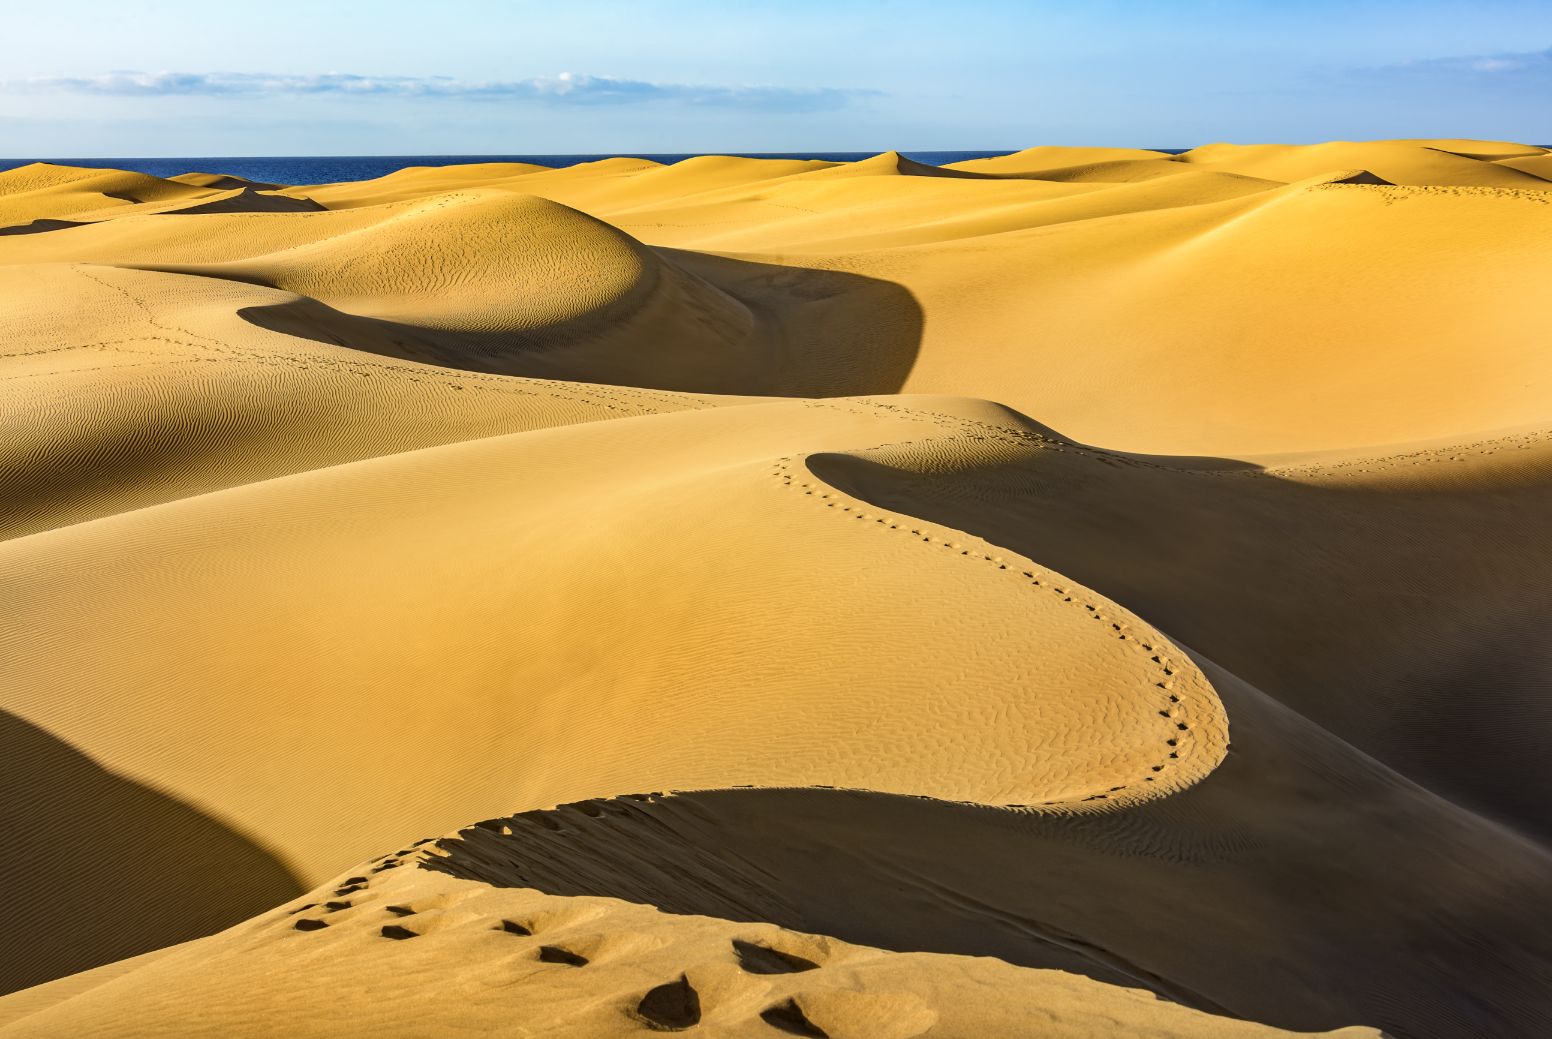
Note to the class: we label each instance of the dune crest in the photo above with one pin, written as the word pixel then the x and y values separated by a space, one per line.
pixel 578 966
pixel 894 164
pixel 247 199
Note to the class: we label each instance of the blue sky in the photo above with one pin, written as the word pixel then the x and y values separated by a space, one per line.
pixel 117 77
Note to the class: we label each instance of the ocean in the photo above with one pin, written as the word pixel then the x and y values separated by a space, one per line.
pixel 327 169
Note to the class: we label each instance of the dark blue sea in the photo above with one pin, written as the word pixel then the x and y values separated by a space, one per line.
pixel 327 169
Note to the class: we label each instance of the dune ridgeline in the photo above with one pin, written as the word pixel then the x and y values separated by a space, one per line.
pixel 764 597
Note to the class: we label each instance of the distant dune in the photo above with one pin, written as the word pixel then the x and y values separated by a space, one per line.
pixel 1083 592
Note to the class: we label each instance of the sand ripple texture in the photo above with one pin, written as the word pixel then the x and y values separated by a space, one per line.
pixel 819 578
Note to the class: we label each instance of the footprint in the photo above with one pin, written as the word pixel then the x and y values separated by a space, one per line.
pixel 398 933
pixel 555 954
pixel 761 959
pixel 540 817
pixel 335 907
pixel 400 910
pixel 513 927
pixel 789 1018
pixel 672 1006
pixel 310 925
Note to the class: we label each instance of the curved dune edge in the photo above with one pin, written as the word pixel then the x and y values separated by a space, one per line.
pixel 1014 687
pixel 1126 668
pixel 1195 726
pixel 394 949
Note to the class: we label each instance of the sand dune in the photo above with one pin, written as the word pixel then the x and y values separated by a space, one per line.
pixel 571 966
pixel 1050 157
pixel 1413 163
pixel 221 181
pixel 40 190
pixel 246 199
pixel 866 562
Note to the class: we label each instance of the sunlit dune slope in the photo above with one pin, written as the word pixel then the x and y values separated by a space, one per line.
pixel 154 387
pixel 1166 895
pixel 1418 162
pixel 502 282
pixel 571 966
pixel 1244 283
pixel 1241 298
pixel 221 181
pixel 1051 157
pixel 1413 163
pixel 606 602
pixel 1208 324
pixel 40 190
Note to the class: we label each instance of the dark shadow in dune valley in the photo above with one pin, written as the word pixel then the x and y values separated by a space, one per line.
pixel 98 868
pixel 699 324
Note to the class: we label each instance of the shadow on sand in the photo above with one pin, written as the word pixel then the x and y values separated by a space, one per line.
pixel 1404 617
pixel 704 324
pixel 1234 897
pixel 98 868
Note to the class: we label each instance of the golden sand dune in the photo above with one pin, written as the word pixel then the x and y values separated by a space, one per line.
pixel 221 181
pixel 921 536
pixel 1420 163
pixel 40 191
pixel 1051 157
pixel 245 199
pixel 697 702
pixel 570 966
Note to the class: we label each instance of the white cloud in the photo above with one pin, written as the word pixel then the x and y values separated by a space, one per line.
pixel 566 89
pixel 1524 63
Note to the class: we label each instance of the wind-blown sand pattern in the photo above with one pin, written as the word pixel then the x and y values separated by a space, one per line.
pixel 833 587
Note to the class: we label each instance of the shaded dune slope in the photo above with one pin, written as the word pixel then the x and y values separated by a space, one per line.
pixel 1165 896
pixel 506 283
pixel 247 199
pixel 1377 614
pixel 187 397
pixel 73 826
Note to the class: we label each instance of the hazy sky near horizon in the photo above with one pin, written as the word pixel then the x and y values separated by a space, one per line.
pixel 95 78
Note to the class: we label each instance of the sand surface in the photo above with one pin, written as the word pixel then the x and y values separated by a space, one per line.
pixel 869 562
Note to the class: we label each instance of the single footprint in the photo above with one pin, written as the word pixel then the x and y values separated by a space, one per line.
pixel 671 1007
pixel 310 925
pixel 789 1018
pixel 761 959
pixel 400 910
pixel 399 933
pixel 513 927
pixel 555 954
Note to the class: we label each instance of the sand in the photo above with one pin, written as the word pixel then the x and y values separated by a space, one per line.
pixel 870 562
